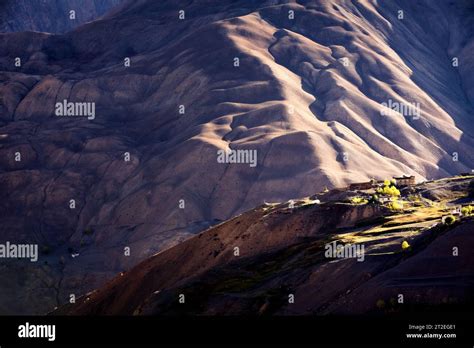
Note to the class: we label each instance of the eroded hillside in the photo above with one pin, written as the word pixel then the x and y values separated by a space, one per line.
pixel 302 83
pixel 412 251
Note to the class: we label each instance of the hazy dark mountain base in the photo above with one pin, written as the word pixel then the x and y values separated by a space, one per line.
pixel 52 16
pixel 282 253
pixel 313 120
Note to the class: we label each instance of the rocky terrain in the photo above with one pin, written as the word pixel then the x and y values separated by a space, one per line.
pixel 302 83
pixel 411 252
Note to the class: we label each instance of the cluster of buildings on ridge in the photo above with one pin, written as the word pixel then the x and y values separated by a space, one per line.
pixel 400 182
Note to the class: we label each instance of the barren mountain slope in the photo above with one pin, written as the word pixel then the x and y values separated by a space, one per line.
pixel 313 116
pixel 282 251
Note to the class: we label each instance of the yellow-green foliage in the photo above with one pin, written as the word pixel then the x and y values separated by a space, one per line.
pixel 395 205
pixel 449 220
pixel 389 189
pixel 467 210
pixel 358 200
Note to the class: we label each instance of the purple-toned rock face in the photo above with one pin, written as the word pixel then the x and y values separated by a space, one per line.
pixel 52 16
pixel 115 136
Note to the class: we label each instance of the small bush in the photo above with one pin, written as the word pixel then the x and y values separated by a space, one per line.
pixel 449 220
pixel 395 205
pixel 405 245
pixel 466 211
pixel 358 200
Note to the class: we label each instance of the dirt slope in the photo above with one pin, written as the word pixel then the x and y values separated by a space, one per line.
pixel 282 252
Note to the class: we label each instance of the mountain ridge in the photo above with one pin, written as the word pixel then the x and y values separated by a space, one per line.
pixel 282 251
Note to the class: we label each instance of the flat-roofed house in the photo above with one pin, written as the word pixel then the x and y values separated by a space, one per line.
pixel 405 180
pixel 362 185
